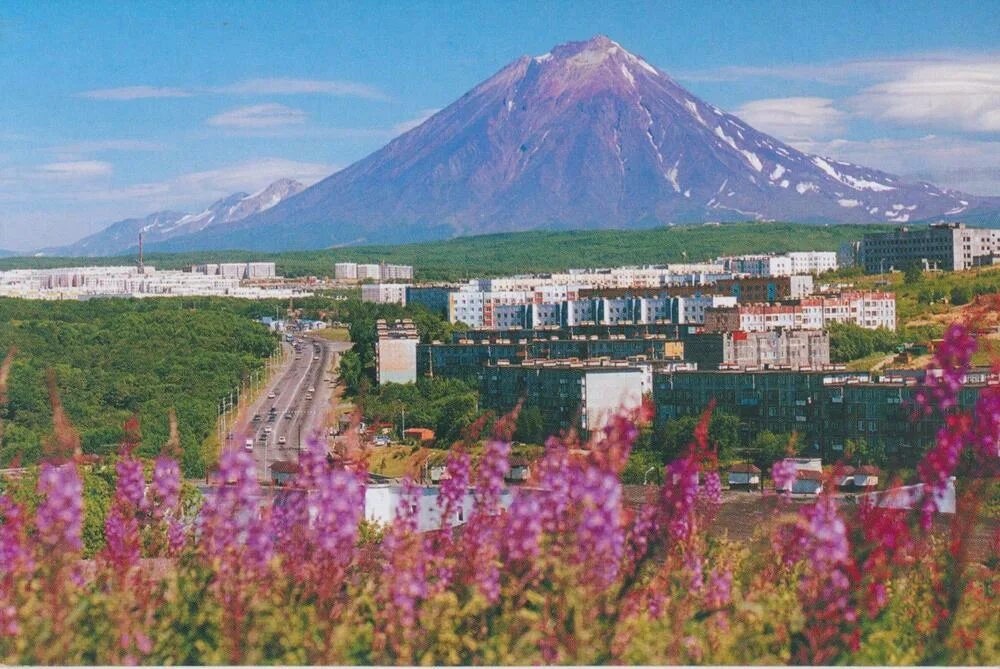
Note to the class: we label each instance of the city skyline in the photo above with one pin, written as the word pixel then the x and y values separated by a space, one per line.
pixel 147 108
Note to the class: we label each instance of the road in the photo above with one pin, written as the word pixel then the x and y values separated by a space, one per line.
pixel 294 406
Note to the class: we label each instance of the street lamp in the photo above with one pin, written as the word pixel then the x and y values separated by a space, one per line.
pixel 645 477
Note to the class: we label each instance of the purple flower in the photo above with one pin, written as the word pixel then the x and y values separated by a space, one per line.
pixel 131 484
pixel 121 534
pixel 600 538
pixel 720 588
pixel 712 490
pixel 783 472
pixel 59 518
pixel 15 556
pixel 677 497
pixel 451 493
pixel 166 483
pixel 524 527
pixel 492 470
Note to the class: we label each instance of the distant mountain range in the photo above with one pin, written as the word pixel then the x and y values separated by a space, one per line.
pixel 585 136
pixel 123 236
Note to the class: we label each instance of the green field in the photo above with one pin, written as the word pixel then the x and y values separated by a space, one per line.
pixel 538 251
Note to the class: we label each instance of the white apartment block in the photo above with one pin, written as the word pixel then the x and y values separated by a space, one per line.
pixel 384 293
pixel 768 265
pixel 867 309
pixel 237 270
pixel 350 271
pixel 813 262
pixel 345 270
pixel 73 283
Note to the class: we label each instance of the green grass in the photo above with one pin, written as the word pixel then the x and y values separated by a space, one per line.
pixel 536 251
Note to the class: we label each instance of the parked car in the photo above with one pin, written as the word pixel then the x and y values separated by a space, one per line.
pixel 257 418
pixel 271 395
pixel 248 444
pixel 281 440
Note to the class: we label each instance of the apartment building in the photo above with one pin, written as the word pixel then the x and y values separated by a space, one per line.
pixel 569 395
pixel 466 358
pixel 867 309
pixel 824 408
pixel 944 246
pixel 813 262
pixel 350 271
pixel 396 351
pixel 759 350
pixel 384 293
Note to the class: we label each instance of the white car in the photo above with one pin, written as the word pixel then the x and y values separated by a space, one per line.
pixel 281 440
pixel 271 395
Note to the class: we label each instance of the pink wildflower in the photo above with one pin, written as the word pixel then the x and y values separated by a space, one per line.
pixel 59 518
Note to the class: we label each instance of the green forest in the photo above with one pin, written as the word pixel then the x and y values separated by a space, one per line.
pixel 113 359
pixel 536 251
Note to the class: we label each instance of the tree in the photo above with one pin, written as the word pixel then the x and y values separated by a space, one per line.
pixel 767 447
pixel 723 433
pixel 961 295
pixel 913 274
pixel 530 427
pixel 351 372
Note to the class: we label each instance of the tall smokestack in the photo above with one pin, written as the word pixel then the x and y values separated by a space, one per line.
pixel 142 267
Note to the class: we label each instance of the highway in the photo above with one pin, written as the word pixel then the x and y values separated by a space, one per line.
pixel 294 405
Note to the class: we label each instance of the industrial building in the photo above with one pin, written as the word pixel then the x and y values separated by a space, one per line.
pixel 943 246
pixel 396 352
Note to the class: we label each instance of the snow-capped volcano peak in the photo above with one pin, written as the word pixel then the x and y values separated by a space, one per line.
pixel 587 135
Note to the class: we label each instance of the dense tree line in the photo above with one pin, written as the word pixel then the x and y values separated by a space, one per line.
pixel 535 251
pixel 113 359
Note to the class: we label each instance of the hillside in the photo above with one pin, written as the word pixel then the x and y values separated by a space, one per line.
pixel 538 251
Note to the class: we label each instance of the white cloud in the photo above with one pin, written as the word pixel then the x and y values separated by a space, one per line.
pixel 962 95
pixel 969 165
pixel 837 72
pixel 410 124
pixel 136 93
pixel 268 115
pixel 285 86
pixel 102 145
pixel 79 169
pixel 794 119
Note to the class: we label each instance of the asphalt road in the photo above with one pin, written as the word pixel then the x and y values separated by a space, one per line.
pixel 294 418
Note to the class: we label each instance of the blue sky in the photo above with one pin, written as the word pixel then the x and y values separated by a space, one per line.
pixel 112 110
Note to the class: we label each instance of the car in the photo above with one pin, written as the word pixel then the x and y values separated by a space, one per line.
pixel 257 418
pixel 272 418
pixel 248 444
pixel 271 395
pixel 273 410
pixel 311 390
pixel 289 414
pixel 308 396
pixel 281 440
pixel 315 357
pixel 267 430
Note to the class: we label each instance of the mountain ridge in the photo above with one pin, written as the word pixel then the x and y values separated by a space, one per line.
pixel 122 236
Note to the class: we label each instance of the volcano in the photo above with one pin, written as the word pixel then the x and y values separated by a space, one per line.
pixel 588 135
